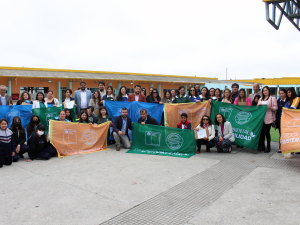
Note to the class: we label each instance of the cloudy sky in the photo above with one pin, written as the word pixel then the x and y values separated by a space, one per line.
pixel 191 38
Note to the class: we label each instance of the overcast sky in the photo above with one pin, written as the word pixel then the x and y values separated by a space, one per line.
pixel 191 38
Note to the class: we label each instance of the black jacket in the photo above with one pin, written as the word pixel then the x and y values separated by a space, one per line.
pixel 19 136
pixel 150 120
pixel 118 123
pixel 36 144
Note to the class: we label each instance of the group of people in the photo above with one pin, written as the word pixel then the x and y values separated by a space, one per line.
pixel 90 109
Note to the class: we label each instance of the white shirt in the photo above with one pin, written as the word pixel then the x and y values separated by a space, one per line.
pixel 264 102
pixel 67 99
pixel 136 98
pixel 84 104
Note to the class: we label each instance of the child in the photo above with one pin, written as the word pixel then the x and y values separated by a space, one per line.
pixel 91 114
pixel 7 145
pixel 184 124
pixel 68 115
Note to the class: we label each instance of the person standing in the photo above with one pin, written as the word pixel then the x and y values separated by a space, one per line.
pixel 122 96
pixel 154 97
pixel 197 87
pixel 294 100
pixel 82 98
pixel 146 119
pixel 102 90
pixel 110 96
pixel 121 125
pixel 96 101
pixel 51 101
pixel 167 97
pixel 24 98
pixel 150 92
pixel 255 100
pixel 5 99
pixel 227 97
pixel 255 91
pixel 212 94
pixel 235 91
pixel 283 99
pixel 40 101
pixel 242 99
pixel 271 102
pixel 182 97
pixel 68 98
pixel 218 94
pixel 136 96
pixel 205 95
pixel 208 141
pixel 173 94
pixel 193 95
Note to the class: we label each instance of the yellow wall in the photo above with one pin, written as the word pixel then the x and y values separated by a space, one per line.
pixel 274 81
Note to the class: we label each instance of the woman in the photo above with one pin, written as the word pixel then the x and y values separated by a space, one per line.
pixel 51 101
pixel 68 98
pixel 68 115
pixel 227 96
pixel 122 96
pixel 96 101
pixel 173 94
pixel 167 97
pixel 40 101
pixel 7 145
pixel 143 91
pixel 193 95
pixel 205 95
pixel 283 99
pixel 19 135
pixel 40 147
pixel 218 94
pixel 255 100
pixel 154 97
pixel 208 141
pixel 24 98
pixel 103 116
pixel 62 116
pixel 225 136
pixel 212 94
pixel 84 117
pixel 109 94
pixel 242 99
pixel 294 101
pixel 182 97
pixel 148 97
pixel 31 127
pixel 271 102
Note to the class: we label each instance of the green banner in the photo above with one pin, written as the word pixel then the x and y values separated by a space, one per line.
pixel 158 140
pixel 46 114
pixel 246 121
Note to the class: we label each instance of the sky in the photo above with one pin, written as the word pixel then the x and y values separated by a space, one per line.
pixel 191 38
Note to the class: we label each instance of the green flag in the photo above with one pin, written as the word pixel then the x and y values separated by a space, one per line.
pixel 158 140
pixel 246 121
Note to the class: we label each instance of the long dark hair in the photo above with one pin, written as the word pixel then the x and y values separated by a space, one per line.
pixel 13 125
pixel 209 120
pixel 99 98
pixel 207 93
pixel 223 118
pixel 239 98
pixel 87 117
pixel 37 94
pixel 255 97
pixel 68 117
pixel 165 93
pixel 218 89
pixel 230 96
pixel 22 97
pixel 100 115
pixel 294 95
pixel 143 89
pixel 158 97
pixel 112 90
pixel 285 92
pixel 190 94
pixel 120 95
pixel 263 96
pixel 30 127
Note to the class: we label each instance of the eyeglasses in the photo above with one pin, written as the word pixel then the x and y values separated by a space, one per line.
pixel 192 90
pixel 154 92
pixel 205 119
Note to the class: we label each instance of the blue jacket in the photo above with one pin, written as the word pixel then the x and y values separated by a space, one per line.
pixel 7 143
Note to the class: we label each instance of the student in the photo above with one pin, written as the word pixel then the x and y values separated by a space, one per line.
pixel 193 95
pixel 184 124
pixel 182 97
pixel 51 101
pixel 136 96
pixel 31 127
pixel 68 98
pixel 208 141
pixel 120 129
pixel 7 145
pixel 212 94
pixel 227 96
pixel 173 94
pixel 225 136
pixel 283 99
pixel 19 135
pixel 103 116
pixel 62 116
pixel 150 92
pixel 205 95
pixel 40 147
pixel 255 100
pixel 83 118
pixel 24 98
pixel 122 96
pixel 109 94
pixel 167 97
pixel 154 97
pixel 40 101
pixel 294 100
pixel 146 119
pixel 68 115
pixel 242 98
pixel 218 94
pixel 143 91
pixel 96 101
pixel 91 115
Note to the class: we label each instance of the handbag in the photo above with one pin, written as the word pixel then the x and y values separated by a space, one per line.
pixel 274 124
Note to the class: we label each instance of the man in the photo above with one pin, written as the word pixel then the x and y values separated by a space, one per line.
pixel 255 91
pixel 146 119
pixel 197 87
pixel 5 99
pixel 121 125
pixel 82 98
pixel 234 91
pixel 150 92
pixel 102 90
pixel 136 96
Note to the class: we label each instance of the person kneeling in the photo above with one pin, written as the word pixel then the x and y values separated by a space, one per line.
pixel 184 124
pixel 120 129
pixel 208 141
pixel 40 148
pixel 146 119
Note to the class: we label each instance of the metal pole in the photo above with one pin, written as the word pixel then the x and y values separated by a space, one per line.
pixel 226 73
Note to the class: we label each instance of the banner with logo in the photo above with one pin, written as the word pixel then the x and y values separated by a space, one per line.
pixel 246 121
pixel 158 140
pixel 114 109
pixel 46 114
pixel 290 131
pixel 194 111
pixel 78 138
pixel 9 112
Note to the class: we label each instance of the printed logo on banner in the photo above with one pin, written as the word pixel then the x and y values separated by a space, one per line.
pixel 50 116
pixel 187 111
pixel 138 113
pixel 28 116
pixel 70 136
pixel 287 138
pixel 89 137
pixel 243 117
pixel 120 111
pixel 11 115
pixel 152 138
pixel 226 112
pixel 174 141
pixel 203 111
pixel 294 122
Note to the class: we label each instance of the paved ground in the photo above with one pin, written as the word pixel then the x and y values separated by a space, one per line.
pixel 244 187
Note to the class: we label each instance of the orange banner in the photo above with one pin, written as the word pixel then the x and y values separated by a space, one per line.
pixel 75 138
pixel 290 131
pixel 195 112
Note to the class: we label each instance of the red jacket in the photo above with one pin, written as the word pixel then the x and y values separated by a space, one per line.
pixel 187 125
pixel 131 98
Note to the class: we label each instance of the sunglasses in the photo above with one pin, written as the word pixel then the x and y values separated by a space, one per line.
pixel 154 92
pixel 192 90
pixel 205 119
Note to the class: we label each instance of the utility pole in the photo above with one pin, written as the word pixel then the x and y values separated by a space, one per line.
pixel 226 73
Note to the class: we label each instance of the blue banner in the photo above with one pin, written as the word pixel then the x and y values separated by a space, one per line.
pixel 114 109
pixel 23 111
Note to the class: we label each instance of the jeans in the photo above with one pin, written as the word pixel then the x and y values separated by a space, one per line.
pixel 124 139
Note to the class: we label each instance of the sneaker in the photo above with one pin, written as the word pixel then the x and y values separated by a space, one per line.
pixel 198 152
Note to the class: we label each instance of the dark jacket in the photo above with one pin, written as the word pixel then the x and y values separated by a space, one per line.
pixel 7 143
pixel 71 99
pixel 280 104
pixel 234 96
pixel 105 98
pixel 36 144
pixel 19 135
pixel 150 120
pixel 19 102
pixel 151 100
pixel 117 125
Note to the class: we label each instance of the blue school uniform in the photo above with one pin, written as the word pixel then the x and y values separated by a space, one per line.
pixel 7 147
pixel 193 99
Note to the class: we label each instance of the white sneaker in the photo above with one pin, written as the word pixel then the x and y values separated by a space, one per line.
pixel 289 155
